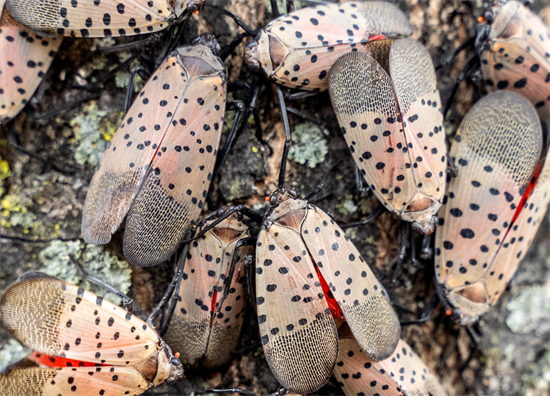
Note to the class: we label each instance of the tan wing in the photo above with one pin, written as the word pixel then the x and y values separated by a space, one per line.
pixel 92 18
pixel 496 150
pixel 365 104
pixel 520 236
pixel 55 318
pixel 126 162
pixel 518 56
pixel 25 58
pixel 420 107
pixel 361 297
pixel 201 334
pixel 403 373
pixel 174 191
pixel 113 381
pixel 296 327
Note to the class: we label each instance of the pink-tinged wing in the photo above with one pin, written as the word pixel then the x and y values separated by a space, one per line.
pixel 175 188
pixel 92 18
pixel 25 57
pixel 365 104
pixel 518 60
pixel 520 236
pixel 496 150
pixel 332 24
pixel 202 332
pixel 420 108
pixel 297 330
pixel 55 318
pixel 360 296
pixel 126 162
pixel 401 374
pixel 35 381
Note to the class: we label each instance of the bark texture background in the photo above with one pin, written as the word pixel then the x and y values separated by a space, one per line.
pixel 42 200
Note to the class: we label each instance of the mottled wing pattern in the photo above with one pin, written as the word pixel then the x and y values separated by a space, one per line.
pixel 496 150
pixel 361 297
pixel 55 318
pixel 113 381
pixel 364 101
pixel 420 106
pixel 520 235
pixel 519 59
pixel 175 188
pixel 333 24
pixel 126 162
pixel 93 18
pixel 25 58
pixel 403 373
pixel 200 330
pixel 297 330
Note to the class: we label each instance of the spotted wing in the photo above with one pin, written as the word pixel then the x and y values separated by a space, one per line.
pixel 420 107
pixel 55 318
pixel 36 381
pixel 93 18
pixel 520 235
pixel 174 190
pixel 126 162
pixel 333 24
pixel 403 373
pixel 25 57
pixel 203 333
pixel 519 60
pixel 365 104
pixel 296 327
pixel 360 296
pixel 496 150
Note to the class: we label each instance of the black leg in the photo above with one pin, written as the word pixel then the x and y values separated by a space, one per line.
pixel 234 260
pixel 228 390
pixel 468 44
pixel 249 262
pixel 249 31
pixel 376 213
pixel 402 251
pixel 231 47
pixel 360 183
pixel 274 9
pixel 426 313
pixel 288 138
pixel 131 85
pixel 472 65
pixel 427 251
pixel 169 291
pixel 126 301
pixel 414 258
pixel 316 191
pixel 152 39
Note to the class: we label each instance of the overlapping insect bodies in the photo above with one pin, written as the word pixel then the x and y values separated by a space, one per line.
pixel 304 265
pixel 513 45
pixel 159 165
pixel 297 50
pixel 493 207
pixel 204 332
pixel 390 115
pixel 25 57
pixel 101 18
pixel 401 374
pixel 58 319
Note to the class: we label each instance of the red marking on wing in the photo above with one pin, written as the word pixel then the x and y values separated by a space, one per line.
pixel 332 304
pixel 56 361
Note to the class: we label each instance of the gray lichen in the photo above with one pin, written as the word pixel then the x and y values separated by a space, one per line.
pixel 530 311
pixel 309 144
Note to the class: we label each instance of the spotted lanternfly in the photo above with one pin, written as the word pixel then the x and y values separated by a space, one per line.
pixel 545 16
pixel 204 332
pixel 24 60
pixel 78 327
pixel 307 270
pixel 493 208
pixel 513 45
pixel 297 50
pixel 159 165
pixel 390 115
pixel 401 374
pixel 101 18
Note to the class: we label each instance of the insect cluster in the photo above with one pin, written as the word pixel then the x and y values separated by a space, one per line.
pixel 319 307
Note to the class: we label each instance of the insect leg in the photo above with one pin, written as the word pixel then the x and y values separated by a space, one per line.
pixel 426 251
pixel 468 44
pixel 288 138
pixel 426 313
pixel 234 260
pixel 231 47
pixel 470 67
pixel 125 301
pixel 274 9
pixel 360 183
pixel 238 391
pixel 370 218
pixel 139 69
pixel 402 251
pixel 250 284
pixel 251 32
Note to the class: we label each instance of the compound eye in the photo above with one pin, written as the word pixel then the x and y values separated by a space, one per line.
pixel 175 361
pixel 273 200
